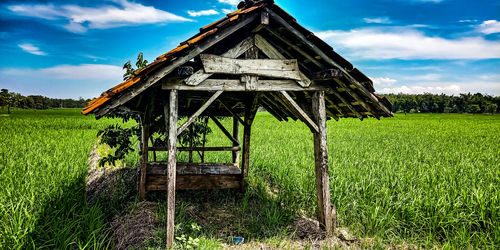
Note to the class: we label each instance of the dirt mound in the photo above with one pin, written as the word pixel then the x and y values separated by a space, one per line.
pixel 132 229
pixel 309 229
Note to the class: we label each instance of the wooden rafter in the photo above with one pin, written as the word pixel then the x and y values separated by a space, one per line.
pixel 298 110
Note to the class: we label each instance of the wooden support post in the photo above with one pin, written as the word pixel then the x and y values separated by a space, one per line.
pixel 171 111
pixel 325 216
pixel 250 112
pixel 144 160
pixel 236 154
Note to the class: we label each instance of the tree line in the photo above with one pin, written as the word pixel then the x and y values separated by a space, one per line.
pixel 431 103
pixel 16 100
pixel 401 103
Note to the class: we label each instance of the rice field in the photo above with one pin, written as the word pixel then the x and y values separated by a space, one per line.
pixel 432 180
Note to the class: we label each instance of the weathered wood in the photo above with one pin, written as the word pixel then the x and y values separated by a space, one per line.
pixel 158 75
pixel 328 74
pixel 234 52
pixel 184 71
pixel 236 129
pixel 195 182
pixel 284 68
pixel 318 51
pixel 298 110
pixel 358 99
pixel 198 112
pixel 185 168
pixel 224 130
pixel 348 104
pixel 171 111
pixel 232 112
pixel 273 53
pixel 250 112
pixel 251 80
pixel 321 163
pixel 231 85
pixel 144 160
pixel 331 103
pixel 264 21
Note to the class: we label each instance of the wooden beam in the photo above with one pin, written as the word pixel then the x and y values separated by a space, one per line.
pixel 358 99
pixel 195 182
pixel 348 104
pixel 250 112
pixel 329 60
pixel 144 160
pixel 231 112
pixel 198 112
pixel 251 80
pixel 159 74
pixel 224 130
pixel 284 68
pixel 298 110
pixel 234 52
pixel 273 53
pixel 171 111
pixel 264 21
pixel 231 85
pixel 325 216
pixel 236 135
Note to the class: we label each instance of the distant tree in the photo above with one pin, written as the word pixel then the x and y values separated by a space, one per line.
pixel 129 70
pixel 491 108
pixel 474 109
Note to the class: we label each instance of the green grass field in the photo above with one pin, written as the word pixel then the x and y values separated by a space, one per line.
pixel 424 179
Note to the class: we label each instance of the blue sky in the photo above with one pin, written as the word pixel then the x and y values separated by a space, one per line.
pixel 72 49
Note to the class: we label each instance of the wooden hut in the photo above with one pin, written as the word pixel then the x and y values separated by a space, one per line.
pixel 257 56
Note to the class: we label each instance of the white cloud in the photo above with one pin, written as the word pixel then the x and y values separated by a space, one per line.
pixel 202 12
pixel 32 49
pixel 408 43
pixel 489 27
pixel 107 16
pixel 226 11
pixel 383 82
pixel 381 20
pixel 71 72
pixel 452 89
pixel 231 2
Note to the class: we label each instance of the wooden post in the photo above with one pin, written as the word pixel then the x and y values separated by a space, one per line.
pixel 325 216
pixel 236 154
pixel 250 112
pixel 171 110
pixel 144 160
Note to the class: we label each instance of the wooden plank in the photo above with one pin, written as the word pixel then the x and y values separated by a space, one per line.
pixel 325 216
pixel 144 160
pixel 171 112
pixel 329 60
pixel 231 85
pixel 284 68
pixel 184 168
pixel 159 74
pixel 302 115
pixel 236 135
pixel 198 112
pixel 195 182
pixel 198 148
pixel 273 53
pixel 234 52
pixel 224 130
pixel 264 21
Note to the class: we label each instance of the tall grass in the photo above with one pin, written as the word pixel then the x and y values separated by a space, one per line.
pixel 424 179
